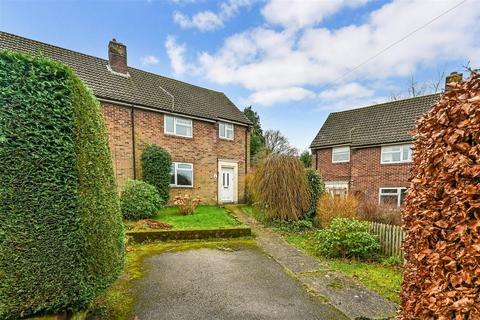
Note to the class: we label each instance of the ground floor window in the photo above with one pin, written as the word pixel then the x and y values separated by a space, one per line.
pixel 392 196
pixel 337 189
pixel 181 174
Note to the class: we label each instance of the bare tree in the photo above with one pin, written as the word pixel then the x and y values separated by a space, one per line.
pixel 276 143
pixel 436 84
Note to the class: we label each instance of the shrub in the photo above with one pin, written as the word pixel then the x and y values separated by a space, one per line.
pixel 280 188
pixel 347 238
pixel 370 210
pixel 336 207
pixel 139 200
pixel 316 187
pixel 442 211
pixel 61 231
pixel 186 204
pixel 156 166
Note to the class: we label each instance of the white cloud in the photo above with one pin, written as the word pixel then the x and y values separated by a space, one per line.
pixel 346 91
pixel 150 60
pixel 301 14
pixel 208 20
pixel 269 97
pixel 268 61
pixel 176 54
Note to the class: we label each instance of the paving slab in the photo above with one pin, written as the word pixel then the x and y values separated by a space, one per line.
pixel 224 283
pixel 351 298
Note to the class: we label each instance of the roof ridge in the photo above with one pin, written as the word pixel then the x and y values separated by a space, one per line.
pixel 106 60
pixel 387 103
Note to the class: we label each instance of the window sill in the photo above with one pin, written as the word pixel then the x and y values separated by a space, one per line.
pixel 338 162
pixel 180 187
pixel 172 135
pixel 226 139
pixel 401 162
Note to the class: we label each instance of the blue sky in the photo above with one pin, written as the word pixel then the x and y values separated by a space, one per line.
pixel 292 61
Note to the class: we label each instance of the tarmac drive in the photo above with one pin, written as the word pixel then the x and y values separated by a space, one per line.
pixel 224 283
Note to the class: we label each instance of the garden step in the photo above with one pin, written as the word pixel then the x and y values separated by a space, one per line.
pixel 352 299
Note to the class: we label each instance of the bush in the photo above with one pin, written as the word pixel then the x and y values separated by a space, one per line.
pixel 442 211
pixel 186 204
pixel 370 210
pixel 156 166
pixel 61 231
pixel 316 187
pixel 347 238
pixel 393 261
pixel 139 200
pixel 280 189
pixel 336 207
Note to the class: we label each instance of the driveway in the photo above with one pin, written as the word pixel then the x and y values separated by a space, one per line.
pixel 224 283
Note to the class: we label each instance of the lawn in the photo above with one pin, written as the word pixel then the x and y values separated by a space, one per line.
pixel 205 217
pixel 383 279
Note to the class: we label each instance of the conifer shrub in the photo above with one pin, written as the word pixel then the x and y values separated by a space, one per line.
pixel 156 166
pixel 280 188
pixel 139 200
pixel 316 187
pixel 442 213
pixel 61 231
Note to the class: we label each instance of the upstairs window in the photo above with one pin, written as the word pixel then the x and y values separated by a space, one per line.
pixel 181 174
pixel 225 130
pixel 340 154
pixel 178 126
pixel 393 197
pixel 397 154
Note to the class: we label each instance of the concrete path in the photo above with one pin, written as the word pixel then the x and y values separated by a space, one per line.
pixel 354 300
pixel 224 283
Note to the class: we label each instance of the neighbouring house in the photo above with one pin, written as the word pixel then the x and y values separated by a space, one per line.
pixel 204 132
pixel 367 151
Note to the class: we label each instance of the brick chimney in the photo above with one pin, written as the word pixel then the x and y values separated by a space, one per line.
pixel 117 57
pixel 453 77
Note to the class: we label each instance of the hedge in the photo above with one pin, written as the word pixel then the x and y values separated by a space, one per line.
pixel 61 232
pixel 442 213
pixel 156 166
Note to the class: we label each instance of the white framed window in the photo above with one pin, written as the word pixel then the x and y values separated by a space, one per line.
pixel 225 130
pixel 181 174
pixel 178 126
pixel 340 154
pixel 391 196
pixel 396 154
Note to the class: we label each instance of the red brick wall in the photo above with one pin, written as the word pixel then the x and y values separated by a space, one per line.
pixel 364 171
pixel 203 149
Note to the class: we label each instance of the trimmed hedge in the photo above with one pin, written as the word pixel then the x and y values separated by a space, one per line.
pixel 139 200
pixel 61 232
pixel 156 166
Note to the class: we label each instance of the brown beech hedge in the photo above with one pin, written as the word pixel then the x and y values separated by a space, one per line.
pixel 442 214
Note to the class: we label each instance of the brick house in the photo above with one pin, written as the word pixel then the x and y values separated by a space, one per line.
pixel 204 132
pixel 367 151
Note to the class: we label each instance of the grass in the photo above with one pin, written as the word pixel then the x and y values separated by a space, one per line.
pixel 383 279
pixel 118 301
pixel 205 217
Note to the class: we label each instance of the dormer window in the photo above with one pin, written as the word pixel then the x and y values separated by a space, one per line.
pixel 340 154
pixel 226 130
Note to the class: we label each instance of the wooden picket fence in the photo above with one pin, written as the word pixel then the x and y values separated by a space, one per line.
pixel 390 237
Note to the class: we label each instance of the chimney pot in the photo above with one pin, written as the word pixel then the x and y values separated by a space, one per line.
pixel 117 56
pixel 451 78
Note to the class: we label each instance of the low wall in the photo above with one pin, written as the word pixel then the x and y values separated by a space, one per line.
pixel 166 235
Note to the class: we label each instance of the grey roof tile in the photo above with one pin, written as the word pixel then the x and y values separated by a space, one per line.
pixel 383 123
pixel 141 88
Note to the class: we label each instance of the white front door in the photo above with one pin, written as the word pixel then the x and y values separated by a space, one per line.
pixel 226 184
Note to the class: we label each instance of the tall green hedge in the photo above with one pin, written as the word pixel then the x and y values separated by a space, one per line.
pixel 156 166
pixel 61 233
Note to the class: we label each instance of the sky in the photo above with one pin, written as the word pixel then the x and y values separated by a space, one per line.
pixel 294 62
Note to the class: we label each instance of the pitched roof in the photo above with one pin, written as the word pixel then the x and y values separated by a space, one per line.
pixel 141 88
pixel 377 124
